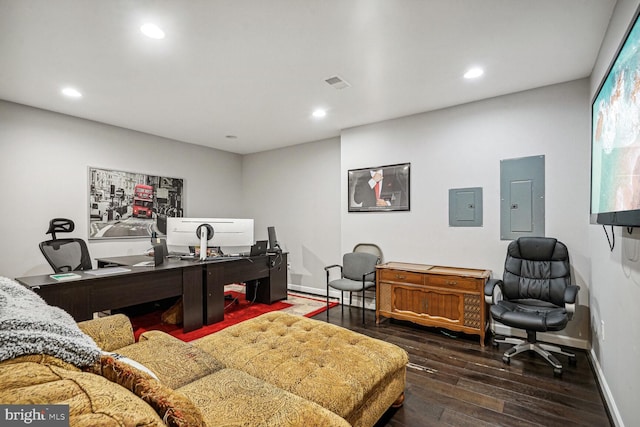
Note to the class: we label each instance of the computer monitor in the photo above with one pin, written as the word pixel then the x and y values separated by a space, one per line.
pixel 204 232
pixel 274 246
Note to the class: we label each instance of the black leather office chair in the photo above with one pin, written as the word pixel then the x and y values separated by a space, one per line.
pixel 357 274
pixel 535 294
pixel 65 254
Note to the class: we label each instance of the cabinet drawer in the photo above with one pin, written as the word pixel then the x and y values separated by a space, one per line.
pixel 401 276
pixel 455 282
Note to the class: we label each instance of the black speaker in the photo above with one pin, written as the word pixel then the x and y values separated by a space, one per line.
pixel 158 254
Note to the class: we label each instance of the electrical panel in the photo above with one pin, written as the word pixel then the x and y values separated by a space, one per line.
pixel 465 207
pixel 522 197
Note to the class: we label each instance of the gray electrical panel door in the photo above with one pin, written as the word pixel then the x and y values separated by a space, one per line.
pixel 465 207
pixel 522 197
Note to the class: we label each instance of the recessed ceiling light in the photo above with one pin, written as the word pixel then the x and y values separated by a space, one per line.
pixel 71 92
pixel 473 73
pixel 319 113
pixel 152 31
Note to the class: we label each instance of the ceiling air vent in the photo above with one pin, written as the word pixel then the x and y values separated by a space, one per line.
pixel 337 82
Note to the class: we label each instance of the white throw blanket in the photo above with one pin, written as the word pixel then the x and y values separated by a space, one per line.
pixel 28 325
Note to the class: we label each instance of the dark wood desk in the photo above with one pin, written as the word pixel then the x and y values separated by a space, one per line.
pixel 265 276
pixel 200 283
pixel 89 294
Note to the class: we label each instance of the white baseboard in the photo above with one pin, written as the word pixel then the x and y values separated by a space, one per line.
pixel 313 291
pixel 370 302
pixel 606 392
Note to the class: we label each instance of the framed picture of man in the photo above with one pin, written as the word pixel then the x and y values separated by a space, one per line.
pixel 379 189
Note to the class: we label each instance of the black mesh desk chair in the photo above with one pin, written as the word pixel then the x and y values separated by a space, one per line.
pixel 65 255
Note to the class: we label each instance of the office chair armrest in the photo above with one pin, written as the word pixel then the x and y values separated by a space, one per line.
pixel 493 291
pixel 571 294
pixel 328 270
pixel 364 276
pixel 329 267
pixel 571 299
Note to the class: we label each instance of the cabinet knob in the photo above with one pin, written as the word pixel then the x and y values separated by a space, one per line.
pixel 400 276
pixel 453 282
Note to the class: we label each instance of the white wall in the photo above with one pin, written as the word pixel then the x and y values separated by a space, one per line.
pixel 615 289
pixel 452 148
pixel 462 147
pixel 44 171
pixel 297 190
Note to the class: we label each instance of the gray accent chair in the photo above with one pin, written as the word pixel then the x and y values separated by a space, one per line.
pixel 357 274
pixel 371 248
pixel 535 294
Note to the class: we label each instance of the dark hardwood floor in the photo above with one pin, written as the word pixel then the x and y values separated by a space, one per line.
pixel 453 381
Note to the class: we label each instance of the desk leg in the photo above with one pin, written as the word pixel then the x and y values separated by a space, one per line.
pixel 214 293
pixel 192 298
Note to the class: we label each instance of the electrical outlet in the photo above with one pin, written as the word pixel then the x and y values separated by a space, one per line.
pixel 602 329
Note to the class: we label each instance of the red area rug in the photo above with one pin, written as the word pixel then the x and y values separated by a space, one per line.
pixel 234 313
pixel 296 303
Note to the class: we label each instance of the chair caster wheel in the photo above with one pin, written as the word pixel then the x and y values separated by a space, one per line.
pixel 572 361
pixel 557 372
pixel 495 344
pixel 506 360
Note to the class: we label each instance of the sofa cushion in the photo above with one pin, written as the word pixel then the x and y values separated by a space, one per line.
pixel 174 408
pixel 119 372
pixel 92 399
pixel 174 362
pixel 233 398
pixel 334 367
pixel 109 332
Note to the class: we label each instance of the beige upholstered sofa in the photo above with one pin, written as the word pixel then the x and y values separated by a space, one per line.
pixel 273 370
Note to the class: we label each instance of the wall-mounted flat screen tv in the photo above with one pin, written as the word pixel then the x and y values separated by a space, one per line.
pixel 615 137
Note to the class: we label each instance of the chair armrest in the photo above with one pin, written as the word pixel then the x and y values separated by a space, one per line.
pixel 110 333
pixel 364 276
pixel 328 270
pixel 493 291
pixel 329 267
pixel 571 294
pixel 571 299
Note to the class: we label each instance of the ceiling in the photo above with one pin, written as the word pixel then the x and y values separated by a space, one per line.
pixel 256 69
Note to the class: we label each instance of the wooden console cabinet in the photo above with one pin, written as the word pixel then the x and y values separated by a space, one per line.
pixel 444 297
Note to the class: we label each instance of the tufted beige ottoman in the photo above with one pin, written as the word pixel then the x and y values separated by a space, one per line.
pixel 352 375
